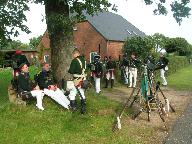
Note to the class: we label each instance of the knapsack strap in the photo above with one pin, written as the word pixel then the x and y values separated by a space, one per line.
pixel 83 70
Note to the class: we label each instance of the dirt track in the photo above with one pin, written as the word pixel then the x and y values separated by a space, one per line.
pixel 178 99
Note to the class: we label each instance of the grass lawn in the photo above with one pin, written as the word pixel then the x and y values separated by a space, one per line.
pixel 181 80
pixel 23 125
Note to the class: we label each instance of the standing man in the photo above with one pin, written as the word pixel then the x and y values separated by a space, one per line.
pixel 105 61
pixel 111 65
pixel 77 69
pixel 125 69
pixel 46 83
pixel 26 85
pixel 163 62
pixel 97 73
pixel 133 70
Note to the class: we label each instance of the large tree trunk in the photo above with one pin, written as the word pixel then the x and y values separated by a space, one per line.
pixel 61 37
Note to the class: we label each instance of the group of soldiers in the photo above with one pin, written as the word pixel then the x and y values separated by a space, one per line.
pixel 45 85
pixel 129 69
pixel 108 68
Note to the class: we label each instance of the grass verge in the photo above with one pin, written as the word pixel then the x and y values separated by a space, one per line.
pixel 23 125
pixel 182 79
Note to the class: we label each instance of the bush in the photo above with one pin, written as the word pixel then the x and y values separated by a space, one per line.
pixel 176 63
pixel 142 46
pixel 2 57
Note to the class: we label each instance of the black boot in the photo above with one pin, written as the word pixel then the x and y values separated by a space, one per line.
pixel 106 83
pixel 83 106
pixel 73 105
pixel 112 83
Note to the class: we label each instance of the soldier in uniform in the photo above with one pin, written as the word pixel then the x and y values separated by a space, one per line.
pixel 133 70
pixel 110 66
pixel 77 69
pixel 105 61
pixel 26 85
pixel 46 83
pixel 162 63
pixel 125 69
pixel 97 73
pixel 18 59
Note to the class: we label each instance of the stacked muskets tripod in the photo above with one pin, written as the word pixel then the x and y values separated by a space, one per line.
pixel 147 96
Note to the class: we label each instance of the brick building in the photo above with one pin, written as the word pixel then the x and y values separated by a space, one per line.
pixel 103 33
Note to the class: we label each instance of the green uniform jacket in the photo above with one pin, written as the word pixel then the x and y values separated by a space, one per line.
pixel 24 83
pixel 75 67
pixel 45 78
pixel 111 65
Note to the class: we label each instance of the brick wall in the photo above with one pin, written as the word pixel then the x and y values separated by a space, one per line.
pixel 87 39
pixel 115 49
pixel 44 46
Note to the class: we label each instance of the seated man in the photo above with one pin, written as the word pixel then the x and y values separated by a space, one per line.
pixel 18 59
pixel 45 82
pixel 25 85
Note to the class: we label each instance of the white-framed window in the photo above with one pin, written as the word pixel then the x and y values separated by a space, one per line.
pixel 91 56
pixel 134 32
pixel 128 31
pixel 75 28
pixel 46 58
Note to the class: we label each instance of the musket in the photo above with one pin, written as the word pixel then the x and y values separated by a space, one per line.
pixel 79 92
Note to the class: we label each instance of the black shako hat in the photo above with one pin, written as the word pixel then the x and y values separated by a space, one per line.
pixel 21 65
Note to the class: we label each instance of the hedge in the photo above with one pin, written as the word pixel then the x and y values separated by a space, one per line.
pixel 176 63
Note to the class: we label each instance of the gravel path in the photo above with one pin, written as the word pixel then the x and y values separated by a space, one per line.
pixel 180 122
pixel 182 131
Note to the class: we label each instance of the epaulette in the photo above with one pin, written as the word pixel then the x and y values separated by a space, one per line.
pixel 38 72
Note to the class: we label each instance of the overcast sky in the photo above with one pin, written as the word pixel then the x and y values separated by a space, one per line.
pixel 135 11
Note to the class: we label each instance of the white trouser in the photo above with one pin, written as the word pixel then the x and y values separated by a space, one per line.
pixel 133 75
pixel 73 93
pixel 97 84
pixel 39 96
pixel 58 96
pixel 126 75
pixel 110 75
pixel 162 73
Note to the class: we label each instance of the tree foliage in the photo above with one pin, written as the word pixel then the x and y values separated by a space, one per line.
pixel 60 23
pixel 179 8
pixel 142 46
pixel 34 42
pixel 159 40
pixel 178 45
pixel 12 18
pixel 14 45
pixel 12 15
pixel 2 57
